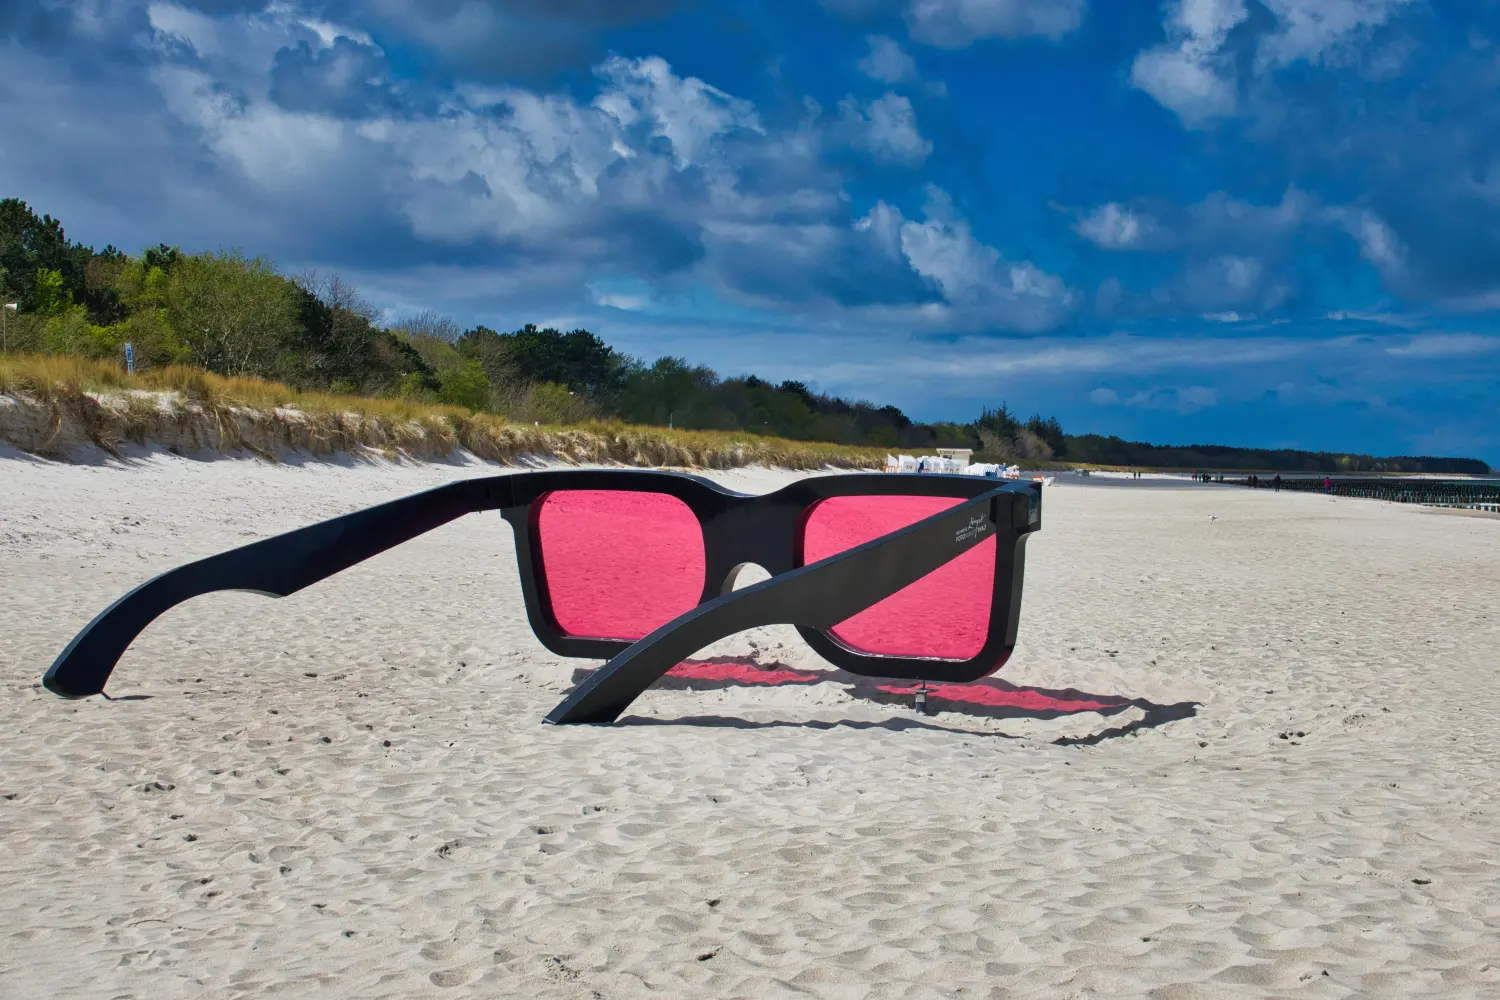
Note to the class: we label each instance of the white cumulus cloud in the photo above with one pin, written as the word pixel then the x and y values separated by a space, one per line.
pixel 887 128
pixel 1197 74
pixel 1187 73
pixel 954 24
pixel 943 249
pixel 686 111
pixel 1114 227
pixel 1378 244
pixel 887 61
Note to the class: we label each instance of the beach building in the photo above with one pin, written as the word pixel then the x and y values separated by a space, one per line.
pixel 961 455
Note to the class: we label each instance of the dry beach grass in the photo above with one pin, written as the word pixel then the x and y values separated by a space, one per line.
pixel 348 793
pixel 59 405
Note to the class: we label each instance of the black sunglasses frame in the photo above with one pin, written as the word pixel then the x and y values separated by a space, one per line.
pixel 738 530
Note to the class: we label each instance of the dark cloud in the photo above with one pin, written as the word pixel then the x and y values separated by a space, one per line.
pixel 106 32
pixel 217 8
pixel 954 24
pixel 35 24
pixel 508 39
pixel 645 245
pixel 806 265
pixel 345 79
pixel 595 13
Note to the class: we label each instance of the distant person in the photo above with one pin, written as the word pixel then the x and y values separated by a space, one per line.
pixel 1327 485
pixel 1277 482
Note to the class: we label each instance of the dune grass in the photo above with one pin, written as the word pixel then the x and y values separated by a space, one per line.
pixel 62 402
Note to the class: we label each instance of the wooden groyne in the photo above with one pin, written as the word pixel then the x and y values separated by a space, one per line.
pixel 1429 492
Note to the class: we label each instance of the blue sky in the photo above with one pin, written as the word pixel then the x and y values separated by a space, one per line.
pixel 1257 222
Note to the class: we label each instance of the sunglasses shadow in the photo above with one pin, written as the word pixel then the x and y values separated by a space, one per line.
pixel 990 698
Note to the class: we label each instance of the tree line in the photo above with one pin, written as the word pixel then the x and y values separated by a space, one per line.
pixel 236 315
pixel 1100 450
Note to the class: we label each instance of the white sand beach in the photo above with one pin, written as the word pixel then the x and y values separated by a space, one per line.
pixel 349 792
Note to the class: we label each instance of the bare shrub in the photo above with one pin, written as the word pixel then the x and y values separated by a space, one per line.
pixel 1030 446
pixel 429 323
pixel 993 445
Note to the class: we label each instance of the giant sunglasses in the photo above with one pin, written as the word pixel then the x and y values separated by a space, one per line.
pixel 884 575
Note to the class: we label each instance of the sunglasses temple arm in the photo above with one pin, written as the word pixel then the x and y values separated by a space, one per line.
pixel 276 567
pixel 818 595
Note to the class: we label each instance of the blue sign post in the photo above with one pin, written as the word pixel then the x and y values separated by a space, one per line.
pixel 129 358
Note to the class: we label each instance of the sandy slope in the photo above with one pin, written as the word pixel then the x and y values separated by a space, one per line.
pixel 348 792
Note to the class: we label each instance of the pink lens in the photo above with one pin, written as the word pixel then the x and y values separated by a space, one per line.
pixel 944 616
pixel 619 564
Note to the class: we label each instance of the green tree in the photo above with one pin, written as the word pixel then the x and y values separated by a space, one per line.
pixel 336 345
pixel 160 257
pixel 49 294
pixel 32 244
pixel 155 343
pixel 787 414
pixel 402 359
pixel 1048 431
pixel 492 351
pixel 68 331
pixel 1000 421
pixel 101 279
pixel 552 403
pixel 465 384
pixel 577 359
pixel 671 392
pixel 232 312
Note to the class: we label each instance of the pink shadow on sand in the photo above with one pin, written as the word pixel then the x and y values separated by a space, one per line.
pixel 990 697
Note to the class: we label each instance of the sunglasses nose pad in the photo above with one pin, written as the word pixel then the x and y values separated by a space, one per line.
pixel 746 574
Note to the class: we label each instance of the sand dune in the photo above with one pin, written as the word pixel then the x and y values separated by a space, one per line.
pixel 1249 756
